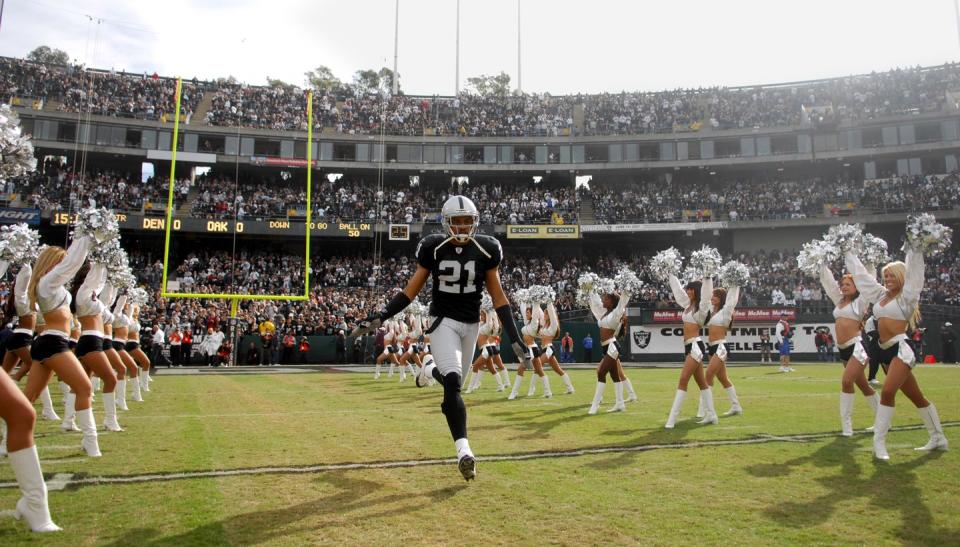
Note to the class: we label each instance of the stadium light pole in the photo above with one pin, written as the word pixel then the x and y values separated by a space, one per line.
pixel 456 87
pixel 956 11
pixel 519 71
pixel 396 41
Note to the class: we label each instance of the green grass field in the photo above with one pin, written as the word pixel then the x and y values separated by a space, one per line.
pixel 794 480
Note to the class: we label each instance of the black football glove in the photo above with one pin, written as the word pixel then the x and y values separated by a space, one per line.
pixel 367 326
pixel 523 353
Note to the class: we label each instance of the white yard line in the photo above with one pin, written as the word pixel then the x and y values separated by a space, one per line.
pixel 571 453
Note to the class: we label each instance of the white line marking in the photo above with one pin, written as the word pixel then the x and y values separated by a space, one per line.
pixel 577 452
pixel 59 481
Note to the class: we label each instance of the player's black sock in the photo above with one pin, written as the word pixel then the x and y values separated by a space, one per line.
pixel 437 376
pixel 453 407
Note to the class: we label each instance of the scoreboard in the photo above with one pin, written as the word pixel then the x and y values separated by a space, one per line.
pixel 292 228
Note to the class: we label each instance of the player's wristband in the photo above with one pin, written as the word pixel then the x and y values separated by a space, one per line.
pixel 396 305
pixel 505 314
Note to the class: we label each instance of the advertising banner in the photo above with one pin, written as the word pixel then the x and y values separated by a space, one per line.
pixel 740 314
pixel 740 338
pixel 547 231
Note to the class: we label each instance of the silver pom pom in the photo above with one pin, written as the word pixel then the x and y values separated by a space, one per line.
pixel 522 296
pixel 588 282
pixel 706 261
pixel 605 286
pixel 666 263
pixel 486 303
pixel 583 298
pixel 19 244
pixel 815 254
pixel 874 250
pixel 734 274
pixel 927 235
pixel 100 224
pixel 110 254
pixel 139 296
pixel 543 294
pixel 16 150
pixel 626 281
pixel 845 237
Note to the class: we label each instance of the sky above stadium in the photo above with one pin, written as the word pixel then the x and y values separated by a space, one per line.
pixel 567 46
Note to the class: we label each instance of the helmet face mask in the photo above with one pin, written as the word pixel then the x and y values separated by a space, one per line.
pixel 460 218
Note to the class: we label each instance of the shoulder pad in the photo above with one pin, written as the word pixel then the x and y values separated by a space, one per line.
pixel 490 243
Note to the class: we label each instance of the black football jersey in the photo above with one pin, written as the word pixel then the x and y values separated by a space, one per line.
pixel 458 273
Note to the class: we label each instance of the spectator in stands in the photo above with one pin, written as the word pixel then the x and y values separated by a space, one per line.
pixel 253 355
pixel 587 348
pixel 566 348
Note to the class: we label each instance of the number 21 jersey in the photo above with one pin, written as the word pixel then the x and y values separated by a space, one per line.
pixel 458 273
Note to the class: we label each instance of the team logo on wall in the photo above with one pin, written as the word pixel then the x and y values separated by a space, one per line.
pixel 641 338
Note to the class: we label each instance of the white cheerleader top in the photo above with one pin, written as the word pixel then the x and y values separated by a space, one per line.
pixel 88 303
pixel 854 310
pixel 489 326
pixel 554 326
pixel 120 321
pixel 531 327
pixel 52 293
pixel 612 319
pixel 901 307
pixel 723 316
pixel 697 316
pixel 107 296
pixel 415 328
pixel 20 296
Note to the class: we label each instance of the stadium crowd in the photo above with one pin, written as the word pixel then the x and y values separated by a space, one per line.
pixel 345 288
pixel 354 110
pixel 103 93
pixel 111 189
pixel 661 201
pixel 356 198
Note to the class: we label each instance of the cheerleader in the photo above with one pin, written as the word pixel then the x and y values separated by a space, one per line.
pixel 870 336
pixel 896 306
pixel 414 330
pixel 848 313
pixel 547 333
pixel 121 325
pixel 88 285
pixel 408 326
pixel 19 419
pixel 133 348
pixel 488 347
pixel 69 417
pixel 18 345
pixel 424 354
pixel 108 297
pixel 389 348
pixel 609 311
pixel 531 327
pixel 694 317
pixel 723 303
pixel 497 359
pixel 52 270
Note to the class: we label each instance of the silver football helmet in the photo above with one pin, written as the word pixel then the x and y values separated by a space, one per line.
pixel 459 206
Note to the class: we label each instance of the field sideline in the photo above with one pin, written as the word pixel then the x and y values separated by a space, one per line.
pixel 336 457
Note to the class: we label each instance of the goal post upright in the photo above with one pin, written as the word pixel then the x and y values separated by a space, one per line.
pixel 234 298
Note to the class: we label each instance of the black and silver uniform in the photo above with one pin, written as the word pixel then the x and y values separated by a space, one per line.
pixel 458 273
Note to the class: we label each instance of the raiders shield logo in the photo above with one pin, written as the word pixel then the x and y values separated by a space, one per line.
pixel 459 249
pixel 641 338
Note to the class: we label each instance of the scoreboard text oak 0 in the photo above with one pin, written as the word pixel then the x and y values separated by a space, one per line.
pixel 138 222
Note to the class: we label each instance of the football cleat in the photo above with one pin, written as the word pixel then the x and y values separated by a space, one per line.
pixel 468 467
